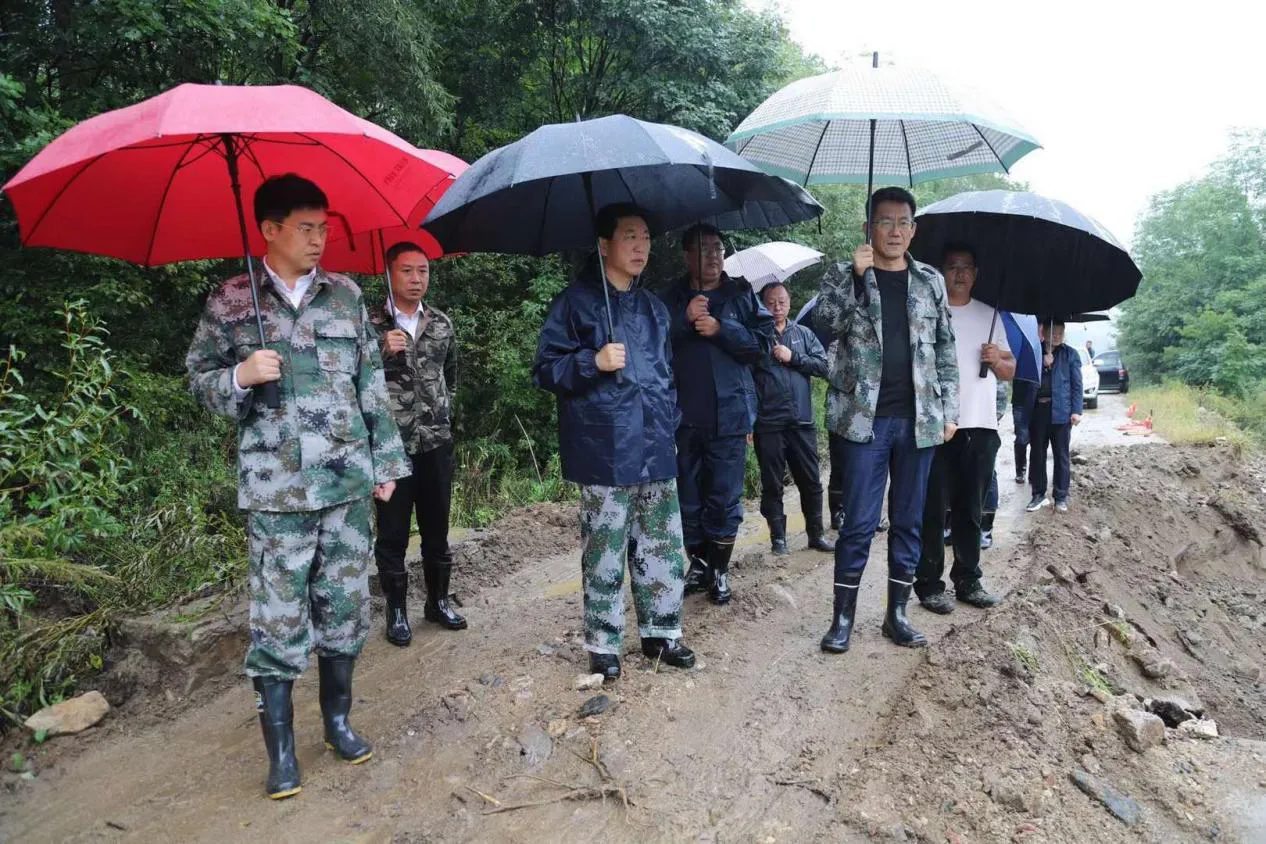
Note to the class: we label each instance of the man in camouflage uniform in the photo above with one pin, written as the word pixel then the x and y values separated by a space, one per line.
pixel 617 418
pixel 420 359
pixel 307 469
pixel 893 397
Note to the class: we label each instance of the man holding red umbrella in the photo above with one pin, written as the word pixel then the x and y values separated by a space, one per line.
pixel 307 469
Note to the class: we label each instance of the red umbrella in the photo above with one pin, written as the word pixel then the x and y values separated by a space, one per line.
pixel 162 180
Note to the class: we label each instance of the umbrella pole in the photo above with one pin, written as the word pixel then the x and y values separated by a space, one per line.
pixel 870 164
pixel 606 295
pixel 271 390
pixel 386 269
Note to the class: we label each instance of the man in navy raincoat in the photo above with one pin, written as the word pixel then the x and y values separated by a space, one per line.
pixel 617 416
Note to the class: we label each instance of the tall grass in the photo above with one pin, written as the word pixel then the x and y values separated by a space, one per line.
pixel 1186 415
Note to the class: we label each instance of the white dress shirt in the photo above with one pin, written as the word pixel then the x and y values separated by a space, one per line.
pixel 409 323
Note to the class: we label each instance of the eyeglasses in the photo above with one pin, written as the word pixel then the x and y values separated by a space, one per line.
pixel 309 230
pixel 717 249
pixel 887 224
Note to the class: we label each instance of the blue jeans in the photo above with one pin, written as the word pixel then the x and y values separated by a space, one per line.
pixel 892 454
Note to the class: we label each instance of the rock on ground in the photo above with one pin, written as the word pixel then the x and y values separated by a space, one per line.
pixel 70 716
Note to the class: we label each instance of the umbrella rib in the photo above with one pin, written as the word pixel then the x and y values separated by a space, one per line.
pixel 158 214
pixel 540 232
pixel 357 171
pixel 1001 163
pixel 60 192
pixel 210 148
pixel 905 139
pixel 826 124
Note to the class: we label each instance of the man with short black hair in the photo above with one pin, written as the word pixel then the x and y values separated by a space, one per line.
pixel 719 329
pixel 963 465
pixel 617 414
pixel 893 397
pixel 785 435
pixel 306 470
pixel 419 349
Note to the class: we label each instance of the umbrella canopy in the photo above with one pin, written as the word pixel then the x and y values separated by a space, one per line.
pixel 149 183
pixel 818 130
pixel 1026 345
pixel 1034 255
pixel 540 194
pixel 1086 318
pixel 365 252
pixel 767 263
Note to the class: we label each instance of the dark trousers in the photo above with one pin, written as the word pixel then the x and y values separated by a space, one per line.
pixel 958 481
pixel 429 492
pixel 710 472
pixel 797 449
pixel 893 458
pixel 835 484
pixel 1059 437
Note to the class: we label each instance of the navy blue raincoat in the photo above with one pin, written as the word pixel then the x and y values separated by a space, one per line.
pixel 727 404
pixel 610 434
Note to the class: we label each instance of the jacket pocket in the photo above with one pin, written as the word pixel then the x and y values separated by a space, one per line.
pixel 337 346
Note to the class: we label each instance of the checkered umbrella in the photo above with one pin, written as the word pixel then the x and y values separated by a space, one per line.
pixel 894 125
pixel 767 263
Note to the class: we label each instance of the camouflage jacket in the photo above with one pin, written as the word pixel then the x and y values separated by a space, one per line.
pixel 333 437
pixel 421 380
pixel 857 358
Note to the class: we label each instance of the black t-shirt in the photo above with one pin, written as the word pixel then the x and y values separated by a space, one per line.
pixel 896 383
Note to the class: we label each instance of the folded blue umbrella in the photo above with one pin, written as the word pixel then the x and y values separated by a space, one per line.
pixel 1025 344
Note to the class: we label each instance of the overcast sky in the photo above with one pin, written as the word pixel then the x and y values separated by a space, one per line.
pixel 1126 98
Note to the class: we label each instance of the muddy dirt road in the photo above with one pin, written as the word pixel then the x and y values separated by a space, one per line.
pixel 765 740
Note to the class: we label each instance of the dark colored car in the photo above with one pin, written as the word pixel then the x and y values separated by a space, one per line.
pixel 1113 374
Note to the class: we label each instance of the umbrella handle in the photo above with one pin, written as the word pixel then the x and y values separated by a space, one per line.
pixel 984 367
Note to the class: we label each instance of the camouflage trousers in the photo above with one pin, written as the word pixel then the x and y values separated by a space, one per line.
pixel 649 515
pixel 309 582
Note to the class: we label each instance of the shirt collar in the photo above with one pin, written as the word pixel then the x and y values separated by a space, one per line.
pixel 306 278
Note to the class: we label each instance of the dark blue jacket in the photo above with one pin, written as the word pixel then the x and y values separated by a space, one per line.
pixel 1066 397
pixel 745 337
pixel 610 434
pixel 783 393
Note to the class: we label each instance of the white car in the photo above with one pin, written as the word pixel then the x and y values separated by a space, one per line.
pixel 1089 380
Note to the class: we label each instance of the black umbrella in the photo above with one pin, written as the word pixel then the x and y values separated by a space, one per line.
pixel 1035 255
pixel 541 193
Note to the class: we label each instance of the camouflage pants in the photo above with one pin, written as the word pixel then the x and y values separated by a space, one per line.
pixel 650 515
pixel 309 581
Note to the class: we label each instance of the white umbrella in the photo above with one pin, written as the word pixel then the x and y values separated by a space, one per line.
pixel 818 130
pixel 770 262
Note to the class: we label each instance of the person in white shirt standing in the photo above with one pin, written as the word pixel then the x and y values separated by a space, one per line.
pixel 962 467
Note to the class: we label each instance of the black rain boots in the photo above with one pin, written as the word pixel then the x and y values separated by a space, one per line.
pixel 778 536
pixel 276 717
pixel 336 703
pixel 395 588
pixel 698 575
pixel 438 607
pixel 719 554
pixel 669 651
pixel 896 626
pixel 836 639
pixel 813 527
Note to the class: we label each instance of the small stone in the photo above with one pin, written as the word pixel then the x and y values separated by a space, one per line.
pixel 545 650
pixel 69 716
pixel 535 745
pixel 588 682
pixel 596 705
pixel 556 728
pixel 1100 695
pixel 1247 671
pixel 1079 460
pixel 1089 762
pixel 1125 809
pixel 1141 730
pixel 1154 668
pixel 1063 574
pixel 1174 710
pixel 1105 534
pixel 1114 611
pixel 1204 728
